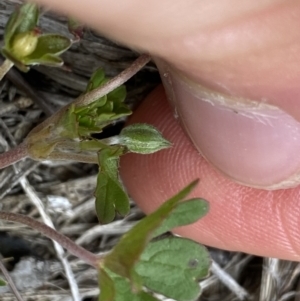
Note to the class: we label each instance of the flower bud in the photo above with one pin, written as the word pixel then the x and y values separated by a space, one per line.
pixel 143 139
pixel 24 44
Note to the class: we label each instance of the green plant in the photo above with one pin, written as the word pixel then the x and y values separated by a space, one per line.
pixel 68 135
pixel 170 266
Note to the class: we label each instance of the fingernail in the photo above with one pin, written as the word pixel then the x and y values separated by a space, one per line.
pixel 253 143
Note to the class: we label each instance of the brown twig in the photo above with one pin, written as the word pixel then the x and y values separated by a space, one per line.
pixel 64 241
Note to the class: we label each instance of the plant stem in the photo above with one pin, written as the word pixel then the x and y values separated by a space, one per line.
pixel 114 83
pixel 5 67
pixel 64 241
pixel 10 282
pixel 14 155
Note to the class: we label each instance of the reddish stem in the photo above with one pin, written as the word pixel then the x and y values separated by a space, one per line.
pixel 64 241
pixel 13 155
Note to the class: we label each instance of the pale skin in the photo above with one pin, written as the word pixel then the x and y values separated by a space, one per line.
pixel 250 52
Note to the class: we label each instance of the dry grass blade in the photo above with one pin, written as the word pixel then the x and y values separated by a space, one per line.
pixel 10 282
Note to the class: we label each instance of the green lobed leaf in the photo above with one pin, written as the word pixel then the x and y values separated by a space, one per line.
pixel 2 282
pixel 129 249
pixel 23 19
pixel 116 288
pixel 185 213
pixel 110 195
pixel 49 44
pixel 143 139
pixel 173 266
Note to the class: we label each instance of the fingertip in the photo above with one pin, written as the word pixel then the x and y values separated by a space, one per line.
pixel 240 218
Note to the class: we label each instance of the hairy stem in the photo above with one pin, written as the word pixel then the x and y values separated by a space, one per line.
pixel 10 282
pixel 14 155
pixel 114 83
pixel 64 241
pixel 5 67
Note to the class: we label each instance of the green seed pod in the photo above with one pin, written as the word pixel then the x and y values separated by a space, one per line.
pixel 24 44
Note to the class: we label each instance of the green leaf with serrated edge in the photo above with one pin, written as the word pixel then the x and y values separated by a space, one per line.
pixel 116 288
pixel 185 213
pixel 127 252
pixel 110 195
pixel 49 44
pixel 173 266
pixel 143 139
pixel 49 60
pixel 2 282
pixel 23 19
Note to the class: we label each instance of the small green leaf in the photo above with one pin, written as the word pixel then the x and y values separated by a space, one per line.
pixel 143 139
pixel 49 44
pixel 2 282
pixel 110 195
pixel 185 213
pixel 29 16
pixel 49 60
pixel 173 266
pixel 97 79
pixel 116 288
pixel 129 249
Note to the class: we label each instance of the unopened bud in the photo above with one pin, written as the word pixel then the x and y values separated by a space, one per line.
pixel 143 139
pixel 24 43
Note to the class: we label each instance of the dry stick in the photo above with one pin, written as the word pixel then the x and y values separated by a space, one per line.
pixel 64 241
pixel 10 282
pixel 32 195
pixel 228 281
pixel 5 67
pixel 269 282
